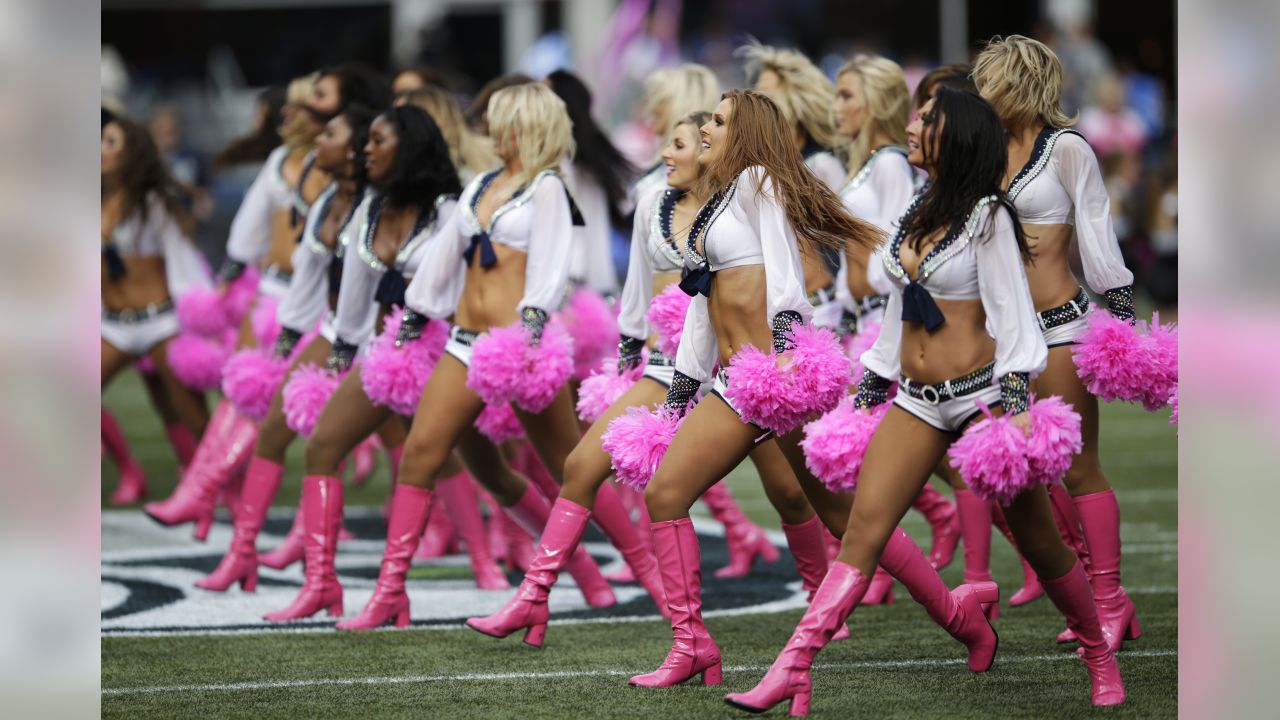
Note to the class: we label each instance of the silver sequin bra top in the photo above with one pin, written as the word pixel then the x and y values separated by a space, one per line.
pixel 311 238
pixel 705 219
pixel 864 172
pixel 660 228
pixel 950 246
pixel 365 246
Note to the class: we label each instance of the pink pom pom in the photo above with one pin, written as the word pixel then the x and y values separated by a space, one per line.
pixel 305 396
pixel 992 458
pixel 1173 403
pixel 145 365
pixel 499 423
pixel 1162 374
pixel 239 295
pixel 1111 358
pixel 250 380
pixel 637 442
pixel 599 392
pixel 201 311
pixel 197 361
pixel 778 394
pixel 858 343
pixel 1054 439
pixel 835 443
pixel 394 377
pixel 263 320
pixel 591 323
pixel 505 368
pixel 666 314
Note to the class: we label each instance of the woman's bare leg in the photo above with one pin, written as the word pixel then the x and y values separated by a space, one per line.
pixel 346 420
pixel 113 361
pixel 1059 378
pixel 189 406
pixel 833 508
pixel 589 466
pixel 274 435
pixel 446 410
pixel 711 442
pixel 553 432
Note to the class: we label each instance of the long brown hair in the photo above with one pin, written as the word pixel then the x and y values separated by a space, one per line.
pixel 144 172
pixel 757 134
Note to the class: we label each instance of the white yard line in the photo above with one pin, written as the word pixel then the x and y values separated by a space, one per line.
pixel 491 677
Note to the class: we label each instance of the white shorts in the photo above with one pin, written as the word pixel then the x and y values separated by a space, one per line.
pixel 329 328
pixel 660 369
pixel 459 344
pixel 138 337
pixel 871 311
pixel 1068 334
pixel 274 282
pixel 949 415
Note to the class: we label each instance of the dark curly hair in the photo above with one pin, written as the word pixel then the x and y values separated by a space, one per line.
pixel 422 170
pixel 358 118
pixel 143 173
pixel 360 84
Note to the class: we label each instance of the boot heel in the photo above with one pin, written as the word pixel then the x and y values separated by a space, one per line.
pixel 202 528
pixel 535 635
pixel 986 592
pixel 249 583
pixel 1134 630
pixel 335 610
pixel 713 675
pixel 799 705
pixel 402 618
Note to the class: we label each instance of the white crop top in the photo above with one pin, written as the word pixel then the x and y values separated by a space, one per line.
pixel 250 234
pixel 743 226
pixel 537 220
pixel 1062 185
pixel 592 259
pixel 879 193
pixel 980 260
pixel 826 166
pixel 362 270
pixel 309 289
pixel 156 233
pixel 651 254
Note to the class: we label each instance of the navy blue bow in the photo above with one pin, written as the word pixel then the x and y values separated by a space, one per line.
pixel 697 280
pixel 918 306
pixel 488 258
pixel 335 274
pixel 115 264
pixel 391 288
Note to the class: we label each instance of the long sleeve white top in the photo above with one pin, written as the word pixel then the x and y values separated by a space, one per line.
pixel 592 259
pixel 879 193
pixel 307 299
pixel 250 234
pixel 155 232
pixel 651 254
pixel 1062 184
pixel 747 226
pixel 979 261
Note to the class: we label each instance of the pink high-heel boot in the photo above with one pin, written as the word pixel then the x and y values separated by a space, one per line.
pixel 960 612
pixel 1072 596
pixel 944 522
pixel 183 442
pixel 322 512
pixel 1064 512
pixel 494 527
pixel 459 499
pixel 390 602
pixel 532 511
pixel 290 550
pixel 881 590
pixel 745 540
pixel 788 676
pixel 693 652
pixel 809 543
pixel 975 525
pixel 609 515
pixel 527 610
pixel 132 486
pixel 240 564
pixel 633 502
pixel 1031 589
pixel 364 460
pixel 1100 519
pixel 226 447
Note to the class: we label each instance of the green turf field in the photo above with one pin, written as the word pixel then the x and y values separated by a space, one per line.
pixel 897 665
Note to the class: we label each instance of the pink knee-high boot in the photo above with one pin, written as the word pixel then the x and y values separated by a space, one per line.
pixel 809 543
pixel 612 519
pixel 459 499
pixel 183 442
pixel 495 532
pixel 289 551
pixel 530 465
pixel 532 511
pixel 693 652
pixel 527 610
pixel 975 525
pixel 944 521
pixel 1031 589
pixel 132 486
pixel 364 460
pixel 240 564
pixel 1072 596
pixel 322 510
pixel 1064 512
pixel 745 540
pixel 788 676
pixel 409 509
pixel 223 451
pixel 633 501
pixel 959 611
pixel 1100 518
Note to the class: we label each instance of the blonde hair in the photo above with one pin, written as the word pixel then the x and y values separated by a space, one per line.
pixel 676 92
pixel 1022 79
pixel 888 104
pixel 296 134
pixel 539 122
pixel 805 95
pixel 469 152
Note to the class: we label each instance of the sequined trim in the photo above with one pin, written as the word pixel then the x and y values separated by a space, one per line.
pixel 300 204
pixel 707 217
pixel 935 393
pixel 423 229
pixel 950 246
pixel 311 238
pixel 521 196
pixel 1015 392
pixel 1068 311
pixel 864 172
pixel 660 223
pixel 1040 154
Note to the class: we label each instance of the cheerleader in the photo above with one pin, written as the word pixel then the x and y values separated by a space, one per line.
pixel 959 328
pixel 264 234
pixel 669 95
pixel 503 257
pixel 1055 184
pixel 742 259
pixel 148 263
pixel 470 153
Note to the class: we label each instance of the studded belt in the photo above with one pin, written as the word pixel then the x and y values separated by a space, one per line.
pixel 869 303
pixel 658 359
pixel 822 296
pixel 463 337
pixel 275 272
pixel 979 379
pixel 1070 310
pixel 131 315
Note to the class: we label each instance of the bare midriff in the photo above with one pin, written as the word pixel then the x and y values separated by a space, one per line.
pixel 857 257
pixel 739 310
pixel 959 346
pixel 144 283
pixel 816 275
pixel 1049 271
pixel 491 295
pixel 661 281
